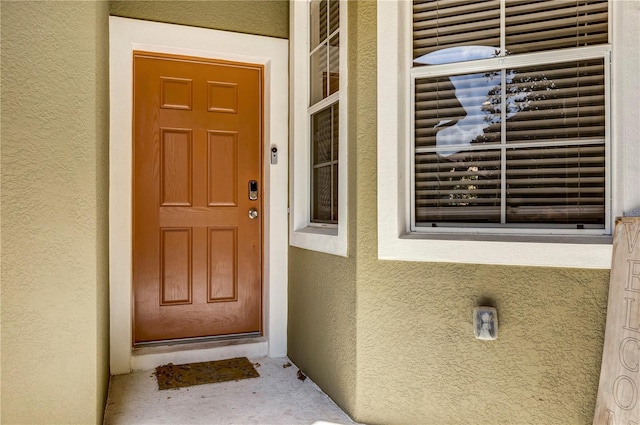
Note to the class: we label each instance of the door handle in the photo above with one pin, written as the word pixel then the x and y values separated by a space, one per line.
pixel 253 213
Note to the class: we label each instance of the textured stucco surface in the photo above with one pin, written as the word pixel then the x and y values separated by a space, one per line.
pixel 270 17
pixel 54 212
pixel 322 292
pixel 417 359
pixel 321 328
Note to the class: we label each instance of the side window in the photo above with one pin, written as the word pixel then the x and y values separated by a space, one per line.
pixel 318 130
pixel 324 101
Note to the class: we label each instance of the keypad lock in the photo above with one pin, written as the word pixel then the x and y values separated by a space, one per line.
pixel 253 190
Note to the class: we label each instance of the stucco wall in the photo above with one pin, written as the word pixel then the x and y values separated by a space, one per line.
pixel 417 359
pixel 322 288
pixel 270 18
pixel 54 211
pixel 321 328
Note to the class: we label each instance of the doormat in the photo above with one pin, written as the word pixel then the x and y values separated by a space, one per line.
pixel 175 376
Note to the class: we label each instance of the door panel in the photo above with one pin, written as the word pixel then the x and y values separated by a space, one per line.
pixel 197 256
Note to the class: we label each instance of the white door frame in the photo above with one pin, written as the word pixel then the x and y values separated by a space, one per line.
pixel 125 36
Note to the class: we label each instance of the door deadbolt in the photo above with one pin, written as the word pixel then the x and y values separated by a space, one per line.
pixel 253 190
pixel 253 213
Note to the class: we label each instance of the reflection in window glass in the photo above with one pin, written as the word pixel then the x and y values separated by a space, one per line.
pixel 453 112
pixel 442 24
pixel 544 163
pixel 558 102
pixel 465 188
pixel 530 26
pixel 318 71
pixel 317 22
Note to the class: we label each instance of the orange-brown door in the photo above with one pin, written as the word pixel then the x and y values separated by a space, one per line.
pixel 197 146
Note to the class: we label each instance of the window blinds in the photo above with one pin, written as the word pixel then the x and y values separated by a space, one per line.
pixel 515 147
pixel 530 26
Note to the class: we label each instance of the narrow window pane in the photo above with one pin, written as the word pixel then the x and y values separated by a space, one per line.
pixel 334 191
pixel 334 15
pixel 324 161
pixel 335 113
pixel 334 65
pixel 322 194
pixel 318 71
pixel 322 134
pixel 317 22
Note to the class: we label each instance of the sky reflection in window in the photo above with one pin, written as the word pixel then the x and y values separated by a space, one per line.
pixel 478 94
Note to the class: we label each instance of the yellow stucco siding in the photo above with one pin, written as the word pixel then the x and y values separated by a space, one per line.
pixel 270 18
pixel 55 101
pixel 54 211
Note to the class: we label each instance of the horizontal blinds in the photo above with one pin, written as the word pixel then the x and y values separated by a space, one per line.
pixel 334 15
pixel 439 24
pixel 551 167
pixel 557 102
pixel 558 185
pixel 547 103
pixel 533 26
pixel 530 25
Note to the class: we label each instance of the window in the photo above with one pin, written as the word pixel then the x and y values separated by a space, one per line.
pixel 324 81
pixel 495 141
pixel 522 146
pixel 318 110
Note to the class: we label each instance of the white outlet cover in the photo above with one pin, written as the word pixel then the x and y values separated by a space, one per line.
pixel 485 323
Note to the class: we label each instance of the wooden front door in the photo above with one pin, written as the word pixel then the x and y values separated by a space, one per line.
pixel 197 253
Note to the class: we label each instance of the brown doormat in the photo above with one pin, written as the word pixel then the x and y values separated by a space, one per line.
pixel 175 376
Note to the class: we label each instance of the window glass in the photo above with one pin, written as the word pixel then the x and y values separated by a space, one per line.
pixel 442 24
pixel 530 26
pixel 324 135
pixel 515 146
pixel 324 83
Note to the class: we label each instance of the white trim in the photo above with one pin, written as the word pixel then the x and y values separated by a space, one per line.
pixel 394 242
pixel 328 239
pixel 126 35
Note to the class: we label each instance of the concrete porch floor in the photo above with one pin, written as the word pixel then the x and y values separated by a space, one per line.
pixel 277 397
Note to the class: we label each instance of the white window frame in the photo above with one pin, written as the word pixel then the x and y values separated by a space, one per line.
pixel 330 239
pixel 395 239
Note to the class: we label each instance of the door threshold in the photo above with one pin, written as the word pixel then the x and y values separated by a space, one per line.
pixel 197 350
pixel 199 341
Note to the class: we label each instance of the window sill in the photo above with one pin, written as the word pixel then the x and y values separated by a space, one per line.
pixel 322 239
pixel 318 230
pixel 524 238
pixel 508 250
